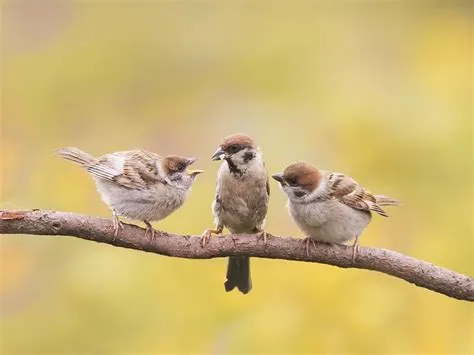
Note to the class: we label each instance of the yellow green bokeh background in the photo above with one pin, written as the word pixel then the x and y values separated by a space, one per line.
pixel 382 91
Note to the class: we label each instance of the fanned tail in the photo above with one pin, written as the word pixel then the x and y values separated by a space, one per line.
pixel 376 208
pixel 383 200
pixel 77 156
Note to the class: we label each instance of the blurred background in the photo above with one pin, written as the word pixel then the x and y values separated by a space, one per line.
pixel 382 91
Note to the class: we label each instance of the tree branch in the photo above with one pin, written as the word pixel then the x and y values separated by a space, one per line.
pixel 418 272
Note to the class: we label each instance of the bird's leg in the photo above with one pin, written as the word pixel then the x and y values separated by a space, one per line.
pixel 355 249
pixel 307 240
pixel 207 234
pixel 149 229
pixel 261 234
pixel 116 223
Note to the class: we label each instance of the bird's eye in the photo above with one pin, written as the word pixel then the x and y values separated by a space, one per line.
pixel 233 149
pixel 180 167
pixel 291 181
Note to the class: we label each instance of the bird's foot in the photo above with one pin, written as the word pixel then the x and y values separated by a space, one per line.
pixel 308 240
pixel 117 224
pixel 262 235
pixel 149 229
pixel 206 235
pixel 355 249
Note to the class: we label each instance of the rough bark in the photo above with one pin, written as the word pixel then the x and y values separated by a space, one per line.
pixel 418 272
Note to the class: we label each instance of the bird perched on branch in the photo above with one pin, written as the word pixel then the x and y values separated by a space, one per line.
pixel 241 200
pixel 137 184
pixel 329 207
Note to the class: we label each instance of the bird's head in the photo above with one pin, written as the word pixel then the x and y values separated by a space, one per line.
pixel 239 151
pixel 176 171
pixel 299 180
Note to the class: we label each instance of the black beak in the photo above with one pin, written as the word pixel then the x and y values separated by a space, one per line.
pixel 218 154
pixel 279 177
pixel 191 161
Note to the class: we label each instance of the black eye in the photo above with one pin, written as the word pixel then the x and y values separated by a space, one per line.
pixel 180 167
pixel 291 181
pixel 233 149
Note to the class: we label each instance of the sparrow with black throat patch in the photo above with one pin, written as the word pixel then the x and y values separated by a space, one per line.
pixel 329 207
pixel 241 201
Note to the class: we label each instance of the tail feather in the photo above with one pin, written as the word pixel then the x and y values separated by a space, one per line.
pixel 238 274
pixel 376 208
pixel 383 200
pixel 76 155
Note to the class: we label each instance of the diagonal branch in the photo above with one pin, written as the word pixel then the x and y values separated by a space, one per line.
pixel 418 272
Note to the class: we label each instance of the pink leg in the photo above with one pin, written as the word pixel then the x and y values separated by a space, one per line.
pixel 355 249
pixel 149 229
pixel 206 235
pixel 116 223
pixel 261 235
pixel 307 240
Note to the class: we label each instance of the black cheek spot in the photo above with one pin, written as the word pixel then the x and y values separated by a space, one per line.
pixel 176 177
pixel 248 156
pixel 300 193
pixel 233 168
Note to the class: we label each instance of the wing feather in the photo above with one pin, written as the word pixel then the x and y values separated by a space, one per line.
pixel 134 169
pixel 348 191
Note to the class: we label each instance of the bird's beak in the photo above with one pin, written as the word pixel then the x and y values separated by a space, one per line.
pixel 279 177
pixel 218 155
pixel 194 172
pixel 191 161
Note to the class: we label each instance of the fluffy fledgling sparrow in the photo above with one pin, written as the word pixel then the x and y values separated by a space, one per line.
pixel 329 207
pixel 241 200
pixel 137 184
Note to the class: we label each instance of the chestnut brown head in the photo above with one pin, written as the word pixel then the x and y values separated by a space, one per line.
pixel 176 170
pixel 233 144
pixel 299 179
pixel 239 151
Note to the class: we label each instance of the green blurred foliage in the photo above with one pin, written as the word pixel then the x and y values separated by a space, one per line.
pixel 382 91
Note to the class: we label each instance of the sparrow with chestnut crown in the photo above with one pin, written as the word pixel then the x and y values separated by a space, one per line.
pixel 137 184
pixel 329 207
pixel 241 200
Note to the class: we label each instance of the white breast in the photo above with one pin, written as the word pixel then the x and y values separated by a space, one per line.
pixel 151 204
pixel 329 221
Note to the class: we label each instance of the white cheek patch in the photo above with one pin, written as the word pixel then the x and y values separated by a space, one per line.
pixel 238 158
pixel 287 190
pixel 318 192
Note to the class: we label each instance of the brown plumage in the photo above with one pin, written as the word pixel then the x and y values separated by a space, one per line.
pixel 302 174
pixel 137 184
pixel 327 206
pixel 241 200
pixel 237 139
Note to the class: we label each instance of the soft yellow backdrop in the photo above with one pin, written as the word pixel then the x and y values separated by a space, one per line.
pixel 382 91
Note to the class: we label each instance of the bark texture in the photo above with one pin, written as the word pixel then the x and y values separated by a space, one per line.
pixel 415 271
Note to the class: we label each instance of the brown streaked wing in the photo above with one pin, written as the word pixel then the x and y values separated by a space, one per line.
pixel 139 169
pixel 348 191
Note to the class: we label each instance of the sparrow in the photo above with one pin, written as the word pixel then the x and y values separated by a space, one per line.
pixel 137 184
pixel 241 201
pixel 329 207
